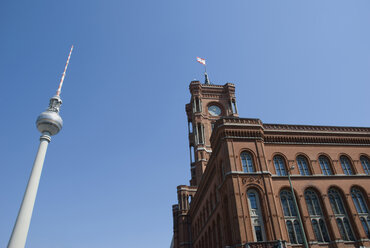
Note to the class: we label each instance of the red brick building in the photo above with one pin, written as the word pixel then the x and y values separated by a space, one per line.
pixel 239 193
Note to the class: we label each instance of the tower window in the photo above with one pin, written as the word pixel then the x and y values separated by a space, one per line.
pixel 197 105
pixel 234 107
pixel 200 133
pixel 192 154
pixel 247 162
pixel 190 127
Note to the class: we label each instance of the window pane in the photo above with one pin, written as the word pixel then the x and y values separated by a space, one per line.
pixel 284 202
pixel 309 203
pixel 279 166
pixel 346 165
pixel 298 232
pixel 355 201
pixel 303 165
pixel 247 162
pixel 333 204
pixel 324 231
pixel 366 228
pixel 252 200
pixel 365 163
pixel 258 232
pixel 291 232
pixel 316 204
pixel 348 229
pixel 250 163
pixel 336 202
pixel 341 229
pixel 362 203
pixel 244 162
pixel 316 230
pixel 339 202
pixel 325 167
pixel 291 205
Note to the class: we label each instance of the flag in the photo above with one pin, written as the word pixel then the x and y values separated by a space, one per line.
pixel 202 61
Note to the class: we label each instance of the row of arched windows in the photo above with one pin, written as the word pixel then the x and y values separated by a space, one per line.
pixel 205 213
pixel 316 214
pixel 303 165
pixel 212 237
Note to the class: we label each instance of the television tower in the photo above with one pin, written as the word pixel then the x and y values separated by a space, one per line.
pixel 49 123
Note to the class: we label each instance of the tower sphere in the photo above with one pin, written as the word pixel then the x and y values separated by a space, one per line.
pixel 50 120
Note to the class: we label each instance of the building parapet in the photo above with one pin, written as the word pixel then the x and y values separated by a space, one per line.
pixel 245 128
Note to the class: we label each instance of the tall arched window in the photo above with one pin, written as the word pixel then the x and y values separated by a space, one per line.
pixel 340 214
pixel 346 165
pixel 247 162
pixel 365 163
pixel 325 165
pixel 256 216
pixel 290 216
pixel 279 165
pixel 362 209
pixel 303 166
pixel 316 215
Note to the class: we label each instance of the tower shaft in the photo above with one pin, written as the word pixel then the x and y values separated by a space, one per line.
pixel 22 224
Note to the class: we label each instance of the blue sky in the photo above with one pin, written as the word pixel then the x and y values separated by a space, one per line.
pixel 110 175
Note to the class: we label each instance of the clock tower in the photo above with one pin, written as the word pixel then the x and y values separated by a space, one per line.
pixel 208 103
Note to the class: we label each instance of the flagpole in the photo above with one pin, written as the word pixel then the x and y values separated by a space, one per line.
pixel 203 62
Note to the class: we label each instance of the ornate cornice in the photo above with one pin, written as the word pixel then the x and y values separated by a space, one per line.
pixel 242 128
pixel 316 129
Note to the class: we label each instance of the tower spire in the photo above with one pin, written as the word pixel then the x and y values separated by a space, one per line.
pixel 64 73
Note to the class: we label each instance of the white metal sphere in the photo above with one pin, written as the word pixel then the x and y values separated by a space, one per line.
pixel 49 121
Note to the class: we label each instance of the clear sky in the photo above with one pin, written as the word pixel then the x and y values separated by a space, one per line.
pixel 110 175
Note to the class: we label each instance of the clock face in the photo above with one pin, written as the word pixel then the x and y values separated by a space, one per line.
pixel 214 110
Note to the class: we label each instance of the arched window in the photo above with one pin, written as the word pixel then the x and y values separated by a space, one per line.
pixel 256 216
pixel 362 209
pixel 303 166
pixel 346 165
pixel 340 214
pixel 365 163
pixel 247 162
pixel 316 215
pixel 290 216
pixel 279 165
pixel 325 165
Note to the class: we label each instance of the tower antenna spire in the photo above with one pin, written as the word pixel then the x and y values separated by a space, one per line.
pixel 64 73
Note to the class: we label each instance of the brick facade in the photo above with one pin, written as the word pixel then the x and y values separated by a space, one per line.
pixel 239 194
